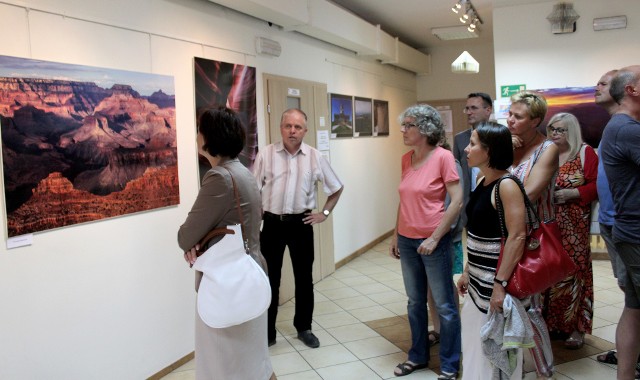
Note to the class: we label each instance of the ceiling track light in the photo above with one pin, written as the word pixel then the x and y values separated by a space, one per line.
pixel 470 13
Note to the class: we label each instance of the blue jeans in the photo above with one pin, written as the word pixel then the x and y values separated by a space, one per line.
pixel 435 271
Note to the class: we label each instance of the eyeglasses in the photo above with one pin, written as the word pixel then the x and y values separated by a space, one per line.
pixel 472 109
pixel 560 131
pixel 408 125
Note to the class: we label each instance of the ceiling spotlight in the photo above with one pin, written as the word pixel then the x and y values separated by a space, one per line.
pixel 465 17
pixel 456 8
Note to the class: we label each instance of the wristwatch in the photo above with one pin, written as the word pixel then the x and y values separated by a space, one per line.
pixel 326 212
pixel 501 282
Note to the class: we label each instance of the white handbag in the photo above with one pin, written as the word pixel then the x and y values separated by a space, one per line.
pixel 234 289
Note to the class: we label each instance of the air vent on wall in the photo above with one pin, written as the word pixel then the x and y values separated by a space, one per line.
pixel 266 46
pixel 454 33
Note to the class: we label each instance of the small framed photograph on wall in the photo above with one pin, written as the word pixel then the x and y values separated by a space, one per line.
pixel 364 117
pixel 380 118
pixel 341 115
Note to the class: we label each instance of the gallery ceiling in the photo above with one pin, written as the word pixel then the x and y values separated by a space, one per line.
pixel 411 20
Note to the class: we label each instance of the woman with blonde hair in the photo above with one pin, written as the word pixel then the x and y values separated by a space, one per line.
pixel 535 163
pixel 569 304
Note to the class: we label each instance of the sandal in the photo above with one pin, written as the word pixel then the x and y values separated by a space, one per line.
pixel 573 343
pixel 407 368
pixel 448 376
pixel 608 358
pixel 434 337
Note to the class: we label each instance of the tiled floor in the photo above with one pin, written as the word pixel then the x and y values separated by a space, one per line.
pixel 361 309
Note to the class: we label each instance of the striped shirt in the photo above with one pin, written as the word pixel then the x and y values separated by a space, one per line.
pixel 287 181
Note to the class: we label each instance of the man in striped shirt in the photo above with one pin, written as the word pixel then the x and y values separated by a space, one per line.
pixel 287 172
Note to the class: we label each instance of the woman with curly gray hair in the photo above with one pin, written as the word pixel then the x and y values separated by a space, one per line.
pixel 422 238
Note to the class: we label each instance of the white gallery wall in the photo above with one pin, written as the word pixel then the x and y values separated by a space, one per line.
pixel 113 299
pixel 442 84
pixel 526 52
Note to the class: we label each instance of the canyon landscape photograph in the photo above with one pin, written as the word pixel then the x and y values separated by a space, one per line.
pixel 82 143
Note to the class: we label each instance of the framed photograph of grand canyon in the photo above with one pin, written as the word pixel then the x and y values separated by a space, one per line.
pixel 232 85
pixel 83 143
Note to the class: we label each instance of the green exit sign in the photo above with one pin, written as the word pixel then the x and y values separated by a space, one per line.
pixel 507 91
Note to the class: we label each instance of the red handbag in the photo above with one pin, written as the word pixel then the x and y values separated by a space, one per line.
pixel 544 262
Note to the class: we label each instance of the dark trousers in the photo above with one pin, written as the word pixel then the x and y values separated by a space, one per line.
pixel 277 233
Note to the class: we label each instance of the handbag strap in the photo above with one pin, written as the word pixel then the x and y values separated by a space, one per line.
pixel 223 230
pixel 533 220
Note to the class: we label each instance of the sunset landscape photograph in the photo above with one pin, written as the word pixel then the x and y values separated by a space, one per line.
pixel 83 143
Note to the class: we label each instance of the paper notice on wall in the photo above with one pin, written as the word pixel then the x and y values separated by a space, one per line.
pixel 322 142
pixel 19 241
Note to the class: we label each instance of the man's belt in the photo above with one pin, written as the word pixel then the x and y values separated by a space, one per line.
pixel 285 217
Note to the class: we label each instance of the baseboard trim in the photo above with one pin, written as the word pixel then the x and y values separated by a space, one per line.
pixel 363 249
pixel 172 367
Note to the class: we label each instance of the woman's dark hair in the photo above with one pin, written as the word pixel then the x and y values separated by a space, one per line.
pixel 496 139
pixel 222 131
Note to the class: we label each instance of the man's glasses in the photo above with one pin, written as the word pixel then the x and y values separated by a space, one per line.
pixel 560 131
pixel 408 125
pixel 472 109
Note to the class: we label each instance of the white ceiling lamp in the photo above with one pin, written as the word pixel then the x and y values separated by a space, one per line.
pixel 608 23
pixel 458 32
pixel 563 18
pixel 465 64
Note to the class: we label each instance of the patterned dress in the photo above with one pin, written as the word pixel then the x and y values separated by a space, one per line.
pixel 569 304
pixel 541 353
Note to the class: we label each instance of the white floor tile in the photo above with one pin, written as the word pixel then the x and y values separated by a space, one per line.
pixel 586 369
pixel 388 297
pixel 328 356
pixel 336 294
pixel 599 322
pixel 291 362
pixel 358 280
pixel 358 302
pixel 372 313
pixel 371 347
pixel 398 308
pixel 369 289
pixel 329 283
pixel 342 318
pixel 325 307
pixel 306 375
pixel 607 333
pixel 345 272
pixel 609 297
pixel 609 313
pixel 355 370
pixel 372 270
pixel 351 333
